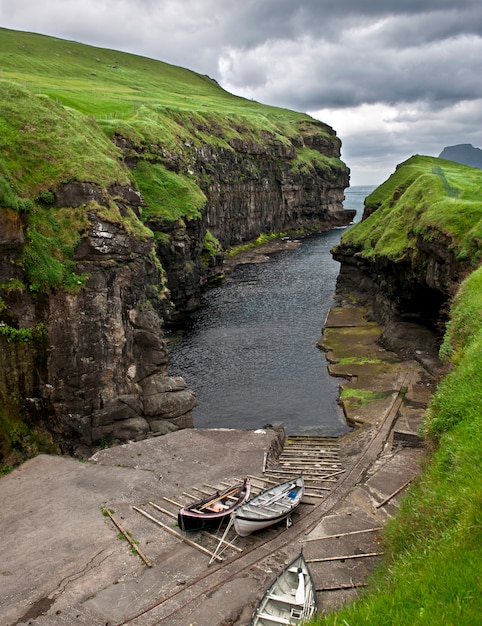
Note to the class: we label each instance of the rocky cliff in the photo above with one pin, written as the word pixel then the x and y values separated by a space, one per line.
pixel 463 153
pixel 419 237
pixel 110 227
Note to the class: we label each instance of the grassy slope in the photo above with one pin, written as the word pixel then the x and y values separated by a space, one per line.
pixel 62 102
pixel 425 197
pixel 432 573
pixel 151 97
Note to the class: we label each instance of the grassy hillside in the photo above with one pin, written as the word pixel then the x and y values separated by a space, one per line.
pixel 114 86
pixel 61 105
pixel 426 197
pixel 104 82
pixel 432 574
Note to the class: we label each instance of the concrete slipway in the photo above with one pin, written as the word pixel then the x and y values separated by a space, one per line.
pixel 63 563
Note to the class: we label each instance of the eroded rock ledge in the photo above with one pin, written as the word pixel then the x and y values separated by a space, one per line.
pixel 97 373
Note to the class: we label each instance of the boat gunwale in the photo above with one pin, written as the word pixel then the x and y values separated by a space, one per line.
pixel 201 515
pixel 278 515
pixel 257 615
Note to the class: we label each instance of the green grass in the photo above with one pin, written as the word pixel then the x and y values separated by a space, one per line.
pixel 63 107
pixel 169 196
pixel 110 84
pixel 361 397
pixel 259 241
pixel 431 574
pixel 426 197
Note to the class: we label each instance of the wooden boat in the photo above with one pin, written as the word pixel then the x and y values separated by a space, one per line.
pixel 290 599
pixel 213 510
pixel 269 507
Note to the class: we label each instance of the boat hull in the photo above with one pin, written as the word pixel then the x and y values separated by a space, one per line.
pixel 269 507
pixel 211 512
pixel 245 527
pixel 290 598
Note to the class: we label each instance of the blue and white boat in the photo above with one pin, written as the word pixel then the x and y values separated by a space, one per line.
pixel 269 507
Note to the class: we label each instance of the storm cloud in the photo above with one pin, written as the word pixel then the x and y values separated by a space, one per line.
pixel 393 78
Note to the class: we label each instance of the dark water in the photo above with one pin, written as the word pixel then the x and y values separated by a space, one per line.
pixel 250 351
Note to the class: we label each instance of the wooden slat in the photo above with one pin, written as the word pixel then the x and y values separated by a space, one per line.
pixel 353 532
pixel 339 587
pixel 173 502
pixel 193 544
pixel 344 558
pixel 129 539
pixel 203 532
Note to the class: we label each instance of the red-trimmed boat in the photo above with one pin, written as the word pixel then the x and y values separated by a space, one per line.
pixel 213 510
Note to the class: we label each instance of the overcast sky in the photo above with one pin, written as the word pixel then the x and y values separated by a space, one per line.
pixel 393 78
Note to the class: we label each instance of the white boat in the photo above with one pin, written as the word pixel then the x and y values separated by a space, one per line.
pixel 269 507
pixel 290 599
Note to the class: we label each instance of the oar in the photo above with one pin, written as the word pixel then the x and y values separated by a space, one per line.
pixel 220 497
pixel 280 495
pixel 300 592
pixel 221 541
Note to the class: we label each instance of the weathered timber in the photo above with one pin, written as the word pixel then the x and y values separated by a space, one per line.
pixel 353 532
pixel 174 533
pixel 344 557
pixel 130 540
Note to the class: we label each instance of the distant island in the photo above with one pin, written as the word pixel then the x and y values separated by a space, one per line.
pixel 464 153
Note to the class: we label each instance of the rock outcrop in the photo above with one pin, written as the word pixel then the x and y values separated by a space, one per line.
pixel 251 187
pixel 463 153
pixel 84 355
pixel 97 371
pixel 405 265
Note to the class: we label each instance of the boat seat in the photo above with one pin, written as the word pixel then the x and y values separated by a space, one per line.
pixel 270 508
pixel 288 599
pixel 256 511
pixel 273 618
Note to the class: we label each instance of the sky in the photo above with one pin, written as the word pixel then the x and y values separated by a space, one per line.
pixel 393 78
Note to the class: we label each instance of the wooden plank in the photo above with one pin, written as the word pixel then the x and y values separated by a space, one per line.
pixel 171 531
pixel 308 453
pixel 353 532
pixel 397 491
pixel 130 540
pixel 172 502
pixel 203 491
pixel 311 444
pixel 344 558
pixel 165 511
pixel 332 474
pixel 308 460
pixel 338 587
pixel 311 477
pixel 314 476
pixel 203 532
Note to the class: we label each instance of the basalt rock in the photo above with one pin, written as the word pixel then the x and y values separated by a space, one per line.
pixel 87 378
pixel 251 188
pixel 409 296
pixel 97 370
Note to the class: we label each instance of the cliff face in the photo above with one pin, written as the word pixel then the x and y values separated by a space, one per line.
pixel 93 264
pixel 250 188
pixel 96 369
pixel 417 240
pixel 463 153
